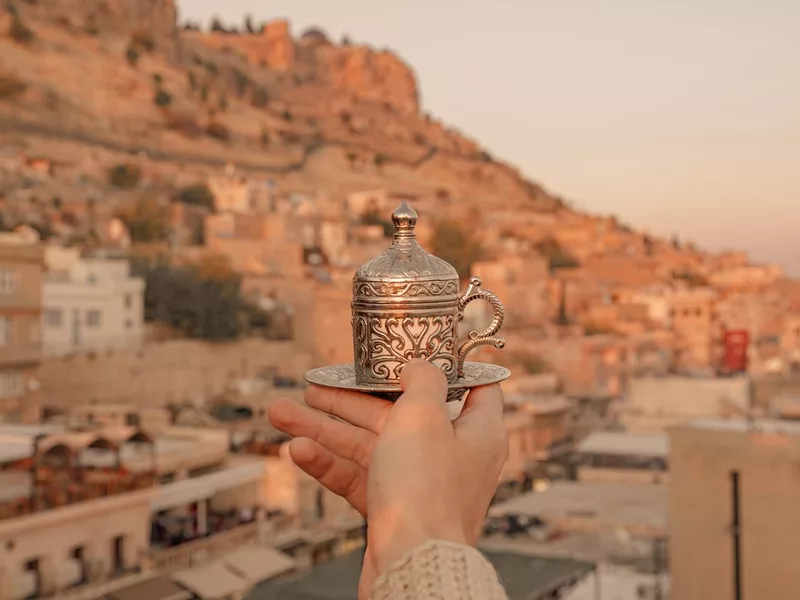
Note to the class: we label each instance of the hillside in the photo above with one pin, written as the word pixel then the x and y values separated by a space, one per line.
pixel 89 82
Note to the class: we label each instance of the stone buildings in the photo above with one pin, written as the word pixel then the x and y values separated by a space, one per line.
pixel 21 266
pixel 90 304
pixel 733 500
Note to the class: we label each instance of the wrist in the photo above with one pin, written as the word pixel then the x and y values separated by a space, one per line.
pixel 387 545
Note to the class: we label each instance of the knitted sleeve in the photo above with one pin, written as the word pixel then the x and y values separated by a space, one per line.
pixel 439 571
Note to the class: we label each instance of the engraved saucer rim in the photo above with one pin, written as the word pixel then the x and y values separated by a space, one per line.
pixel 502 373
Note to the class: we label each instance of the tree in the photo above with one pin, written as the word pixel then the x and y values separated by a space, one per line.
pixel 162 98
pixel 124 175
pixel 223 102
pixel 248 24
pixel 19 32
pixel 264 137
pixel 192 80
pixel 557 257
pixel 217 26
pixel 218 131
pixel 132 56
pixel 146 220
pixel 379 160
pixel 157 79
pixel 203 300
pixel 198 194
pixel 457 245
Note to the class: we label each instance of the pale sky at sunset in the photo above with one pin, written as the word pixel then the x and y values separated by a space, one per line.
pixel 678 116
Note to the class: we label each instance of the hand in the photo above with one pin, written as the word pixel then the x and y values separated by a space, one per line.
pixel 412 473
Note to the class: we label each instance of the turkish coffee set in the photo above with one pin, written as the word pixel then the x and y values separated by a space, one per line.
pixel 406 305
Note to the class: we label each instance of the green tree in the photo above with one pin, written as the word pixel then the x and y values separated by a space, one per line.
pixel 457 245
pixel 162 98
pixel 146 220
pixel 198 194
pixel 125 175
pixel 19 32
pixel 204 301
pixel 132 56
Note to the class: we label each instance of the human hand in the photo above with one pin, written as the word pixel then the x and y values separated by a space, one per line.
pixel 415 475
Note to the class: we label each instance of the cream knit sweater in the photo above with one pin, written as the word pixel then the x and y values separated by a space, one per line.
pixel 440 571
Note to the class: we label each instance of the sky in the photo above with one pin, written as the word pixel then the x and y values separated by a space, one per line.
pixel 680 116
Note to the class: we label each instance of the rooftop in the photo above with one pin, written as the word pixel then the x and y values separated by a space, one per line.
pixel 635 507
pixel 743 426
pixel 625 444
pixel 524 577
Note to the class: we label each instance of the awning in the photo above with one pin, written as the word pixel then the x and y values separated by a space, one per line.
pixel 156 588
pixel 212 581
pixel 257 563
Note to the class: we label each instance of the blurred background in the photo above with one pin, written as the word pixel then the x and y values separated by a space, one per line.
pixel 187 189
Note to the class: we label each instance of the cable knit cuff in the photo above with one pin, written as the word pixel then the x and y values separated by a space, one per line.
pixel 439 571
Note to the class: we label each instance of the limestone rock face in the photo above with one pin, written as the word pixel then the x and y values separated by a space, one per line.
pixel 370 75
pixel 158 18
pixel 362 73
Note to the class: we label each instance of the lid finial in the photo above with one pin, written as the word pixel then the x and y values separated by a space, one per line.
pixel 405 219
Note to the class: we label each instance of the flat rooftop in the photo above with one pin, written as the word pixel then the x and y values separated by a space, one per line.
pixel 635 507
pixel 625 444
pixel 524 577
pixel 743 426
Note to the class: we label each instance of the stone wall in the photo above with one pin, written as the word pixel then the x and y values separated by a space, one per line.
pixel 160 373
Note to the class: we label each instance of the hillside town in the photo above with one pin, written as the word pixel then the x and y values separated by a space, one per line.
pixel 159 289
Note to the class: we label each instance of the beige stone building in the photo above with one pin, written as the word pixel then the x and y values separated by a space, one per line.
pixel 521 282
pixel 21 266
pixel 654 403
pixel 733 500
pixel 695 327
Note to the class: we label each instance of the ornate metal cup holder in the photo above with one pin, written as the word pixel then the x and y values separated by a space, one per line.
pixel 406 305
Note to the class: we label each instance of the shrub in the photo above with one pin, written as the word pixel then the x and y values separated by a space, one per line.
pixel 260 98
pixel 184 123
pixel 379 160
pixel 198 194
pixel 90 27
pixel 11 87
pixel 162 98
pixel 125 176
pixel 557 257
pixel 223 103
pixel 533 364
pixel 19 32
pixel 146 220
pixel 218 131
pixel 457 245
pixel 157 79
pixel 132 56
pixel 287 116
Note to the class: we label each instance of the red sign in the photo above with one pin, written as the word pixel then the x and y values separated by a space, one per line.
pixel 736 342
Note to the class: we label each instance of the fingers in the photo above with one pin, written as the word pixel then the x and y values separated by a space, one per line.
pixel 342 477
pixel 359 409
pixel 481 419
pixel 347 441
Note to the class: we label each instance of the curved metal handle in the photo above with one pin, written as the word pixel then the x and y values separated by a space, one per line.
pixel 485 337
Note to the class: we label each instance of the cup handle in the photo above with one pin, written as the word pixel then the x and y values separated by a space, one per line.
pixel 485 337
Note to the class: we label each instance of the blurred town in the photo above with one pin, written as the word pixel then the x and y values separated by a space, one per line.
pixel 181 215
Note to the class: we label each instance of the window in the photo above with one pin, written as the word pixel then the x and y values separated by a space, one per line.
pixel 10 384
pixel 8 281
pixel 52 317
pixel 93 318
pixel 128 301
pixel 6 325
pixel 128 324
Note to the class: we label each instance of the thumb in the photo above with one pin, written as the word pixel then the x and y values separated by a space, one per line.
pixel 424 392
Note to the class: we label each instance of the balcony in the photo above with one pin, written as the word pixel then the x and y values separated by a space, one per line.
pixel 20 354
pixel 201 550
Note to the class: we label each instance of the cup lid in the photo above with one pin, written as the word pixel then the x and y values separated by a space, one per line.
pixel 405 259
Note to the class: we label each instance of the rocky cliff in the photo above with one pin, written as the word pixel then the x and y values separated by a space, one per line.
pixel 157 19
pixel 363 73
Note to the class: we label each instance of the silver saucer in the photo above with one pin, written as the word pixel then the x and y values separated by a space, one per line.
pixel 344 377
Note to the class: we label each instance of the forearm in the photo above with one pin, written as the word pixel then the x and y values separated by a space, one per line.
pixel 436 570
